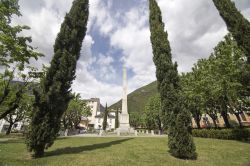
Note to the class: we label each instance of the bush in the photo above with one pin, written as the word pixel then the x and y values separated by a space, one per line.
pixel 229 134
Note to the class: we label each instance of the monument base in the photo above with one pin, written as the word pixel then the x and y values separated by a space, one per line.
pixel 124 127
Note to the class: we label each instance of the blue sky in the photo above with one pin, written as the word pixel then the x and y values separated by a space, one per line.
pixel 118 34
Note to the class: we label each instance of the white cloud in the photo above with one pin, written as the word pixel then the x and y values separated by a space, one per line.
pixel 106 71
pixel 133 38
pixel 194 28
pixel 100 16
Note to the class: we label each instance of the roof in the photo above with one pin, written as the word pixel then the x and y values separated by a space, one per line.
pixel 92 99
pixel 102 114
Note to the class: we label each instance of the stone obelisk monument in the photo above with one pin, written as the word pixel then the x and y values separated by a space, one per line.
pixel 124 116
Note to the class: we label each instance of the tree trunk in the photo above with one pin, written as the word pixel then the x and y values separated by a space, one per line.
pixel 214 122
pixel 213 116
pixel 197 120
pixel 9 129
pixel 39 151
pixel 159 125
pixel 224 116
pixel 87 126
pixel 66 132
pixel 238 118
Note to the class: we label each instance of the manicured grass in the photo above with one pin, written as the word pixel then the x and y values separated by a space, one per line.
pixel 12 135
pixel 125 151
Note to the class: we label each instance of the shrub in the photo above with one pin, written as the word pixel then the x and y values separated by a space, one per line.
pixel 229 134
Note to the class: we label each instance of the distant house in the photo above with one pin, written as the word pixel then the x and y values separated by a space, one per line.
pixel 110 121
pixel 91 122
pixel 19 126
pixel 96 119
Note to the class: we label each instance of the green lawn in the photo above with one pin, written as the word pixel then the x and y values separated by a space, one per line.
pixel 125 151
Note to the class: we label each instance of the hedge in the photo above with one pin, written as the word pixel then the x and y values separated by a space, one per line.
pixel 228 134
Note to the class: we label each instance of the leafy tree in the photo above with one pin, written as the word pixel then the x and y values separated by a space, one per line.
pixel 137 119
pixel 191 92
pixel 168 83
pixel 237 25
pixel 76 109
pixel 105 118
pixel 15 54
pixel 52 99
pixel 86 112
pixel 116 119
pixel 217 81
pixel 226 61
pixel 153 113
pixel 22 113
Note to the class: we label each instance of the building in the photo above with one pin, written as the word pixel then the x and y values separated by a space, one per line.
pixel 110 121
pixel 94 122
pixel 18 126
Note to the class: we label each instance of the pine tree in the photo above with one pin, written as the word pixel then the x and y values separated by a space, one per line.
pixel 116 119
pixel 105 118
pixel 168 86
pixel 52 99
pixel 237 25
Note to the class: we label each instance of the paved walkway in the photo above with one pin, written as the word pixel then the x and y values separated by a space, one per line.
pixel 114 135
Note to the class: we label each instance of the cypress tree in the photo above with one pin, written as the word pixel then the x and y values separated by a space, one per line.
pixel 169 87
pixel 105 118
pixel 237 25
pixel 116 119
pixel 52 99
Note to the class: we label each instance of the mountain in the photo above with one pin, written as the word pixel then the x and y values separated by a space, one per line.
pixel 138 98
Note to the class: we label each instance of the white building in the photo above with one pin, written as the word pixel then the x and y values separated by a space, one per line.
pixel 96 119
pixel 110 121
pixel 93 122
pixel 18 126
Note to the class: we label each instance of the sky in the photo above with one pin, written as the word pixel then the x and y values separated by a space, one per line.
pixel 118 34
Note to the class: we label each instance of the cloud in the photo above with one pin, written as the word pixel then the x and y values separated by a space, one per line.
pixel 133 38
pixel 194 28
pixel 100 17
pixel 44 18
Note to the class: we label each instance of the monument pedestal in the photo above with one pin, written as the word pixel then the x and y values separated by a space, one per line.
pixel 124 123
pixel 124 127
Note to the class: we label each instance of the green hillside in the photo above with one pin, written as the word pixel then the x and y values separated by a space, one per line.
pixel 138 98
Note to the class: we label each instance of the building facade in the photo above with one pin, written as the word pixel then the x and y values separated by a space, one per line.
pixel 94 122
pixel 18 126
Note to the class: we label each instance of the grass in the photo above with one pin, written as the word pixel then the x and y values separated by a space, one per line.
pixel 125 152
pixel 11 135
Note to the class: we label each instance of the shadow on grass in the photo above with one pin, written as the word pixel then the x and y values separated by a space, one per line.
pixel 79 149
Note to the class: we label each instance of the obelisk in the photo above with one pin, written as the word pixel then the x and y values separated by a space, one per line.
pixel 124 116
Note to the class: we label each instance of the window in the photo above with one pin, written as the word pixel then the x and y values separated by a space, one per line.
pixel 110 120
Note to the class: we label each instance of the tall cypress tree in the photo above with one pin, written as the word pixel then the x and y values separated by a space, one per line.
pixel 181 146
pixel 52 99
pixel 105 118
pixel 237 25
